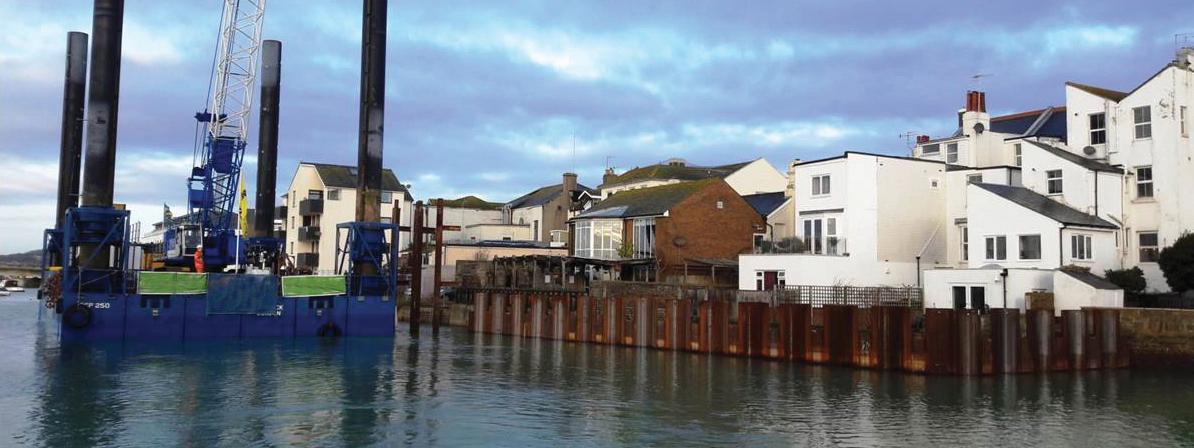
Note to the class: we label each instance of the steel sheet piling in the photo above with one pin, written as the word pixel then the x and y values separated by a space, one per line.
pixel 1005 338
pixel 1075 338
pixel 1040 339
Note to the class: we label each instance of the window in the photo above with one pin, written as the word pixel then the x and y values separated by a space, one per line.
pixel 974 179
pixel 996 247
pixel 387 197
pixel 1148 247
pixel 291 222
pixel 1142 116
pixel 1144 182
pixel 1019 154
pixel 598 239
pixel 965 243
pixel 721 205
pixel 1080 247
pixel 951 153
pixel 535 229
pixel 933 149
pixel 974 296
pixel 1098 128
pixel 820 236
pixel 334 194
pixel 1030 247
pixel 1053 178
pixel 821 185
pixel 1181 115
pixel 643 241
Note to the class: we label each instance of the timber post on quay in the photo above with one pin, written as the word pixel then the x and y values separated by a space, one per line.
pixel 882 336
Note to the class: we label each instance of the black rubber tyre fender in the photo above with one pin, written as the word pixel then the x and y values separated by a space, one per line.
pixel 328 330
pixel 77 316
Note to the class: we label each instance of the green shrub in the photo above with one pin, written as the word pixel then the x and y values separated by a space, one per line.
pixel 1131 280
pixel 1177 262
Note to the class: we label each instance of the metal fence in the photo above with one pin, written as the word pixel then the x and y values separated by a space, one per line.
pixel 862 296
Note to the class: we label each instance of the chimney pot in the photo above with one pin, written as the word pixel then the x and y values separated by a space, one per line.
pixel 922 138
pixel 976 101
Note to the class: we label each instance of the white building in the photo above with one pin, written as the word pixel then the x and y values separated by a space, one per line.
pixel 322 195
pixel 865 219
pixel 465 212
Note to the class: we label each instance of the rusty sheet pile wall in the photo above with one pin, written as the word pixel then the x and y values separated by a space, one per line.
pixel 949 342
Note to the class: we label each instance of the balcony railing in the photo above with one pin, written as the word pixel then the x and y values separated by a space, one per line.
pixel 308 207
pixel 832 246
pixel 307 260
pixel 308 233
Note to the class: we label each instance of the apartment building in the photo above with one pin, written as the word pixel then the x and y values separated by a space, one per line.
pixel 322 195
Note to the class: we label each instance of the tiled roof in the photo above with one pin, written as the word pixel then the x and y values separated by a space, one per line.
pixel 343 176
pixel 1047 122
pixel 1046 207
pixel 1113 95
pixel 766 203
pixel 472 202
pixel 664 171
pixel 651 201
pixel 1091 279
pixel 1093 165
pixel 542 196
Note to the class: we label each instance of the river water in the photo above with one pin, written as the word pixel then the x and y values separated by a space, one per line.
pixel 460 389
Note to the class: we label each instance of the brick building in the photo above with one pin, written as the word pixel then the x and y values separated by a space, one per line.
pixel 690 232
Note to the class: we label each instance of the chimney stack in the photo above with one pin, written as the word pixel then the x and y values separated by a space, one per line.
pixel 976 101
pixel 267 137
pixel 569 182
pixel 609 176
pixel 71 149
pixel 790 190
pixel 373 95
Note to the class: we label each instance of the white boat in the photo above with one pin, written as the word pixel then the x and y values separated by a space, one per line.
pixel 4 292
pixel 11 286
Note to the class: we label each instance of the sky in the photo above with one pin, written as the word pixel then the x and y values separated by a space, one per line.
pixel 495 99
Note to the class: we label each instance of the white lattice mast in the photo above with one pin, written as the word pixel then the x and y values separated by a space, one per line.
pixel 236 68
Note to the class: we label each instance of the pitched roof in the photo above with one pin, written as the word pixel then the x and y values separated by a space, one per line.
pixel 766 203
pixel 541 196
pixel 1046 207
pixel 664 171
pixel 1093 165
pixel 472 202
pixel 1113 95
pixel 1047 122
pixel 1090 279
pixel 650 201
pixel 343 176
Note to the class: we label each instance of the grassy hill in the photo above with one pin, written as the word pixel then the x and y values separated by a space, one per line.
pixel 23 259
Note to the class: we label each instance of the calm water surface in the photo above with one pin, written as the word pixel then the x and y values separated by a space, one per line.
pixel 459 389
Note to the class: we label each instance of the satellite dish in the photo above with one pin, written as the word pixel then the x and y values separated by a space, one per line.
pixel 979 128
pixel 1089 150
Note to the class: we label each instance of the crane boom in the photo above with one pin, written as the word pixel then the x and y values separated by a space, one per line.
pixel 212 185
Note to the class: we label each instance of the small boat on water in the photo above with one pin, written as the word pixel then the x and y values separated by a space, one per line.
pixel 11 286
pixel 4 292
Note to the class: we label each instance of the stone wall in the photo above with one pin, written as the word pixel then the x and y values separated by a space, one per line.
pixel 1158 337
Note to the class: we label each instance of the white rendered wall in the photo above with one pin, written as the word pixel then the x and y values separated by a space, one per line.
pixel 758 176
pixel 939 283
pixel 825 270
pixel 1070 293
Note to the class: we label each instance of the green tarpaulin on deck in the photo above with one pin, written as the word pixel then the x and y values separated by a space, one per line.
pixel 313 285
pixel 171 283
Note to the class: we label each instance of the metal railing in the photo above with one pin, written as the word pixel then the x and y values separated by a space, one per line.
pixel 862 296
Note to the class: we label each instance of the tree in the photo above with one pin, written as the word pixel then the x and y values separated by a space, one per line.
pixel 1131 280
pixel 626 250
pixel 1177 262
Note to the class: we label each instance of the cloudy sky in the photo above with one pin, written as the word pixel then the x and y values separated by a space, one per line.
pixel 486 100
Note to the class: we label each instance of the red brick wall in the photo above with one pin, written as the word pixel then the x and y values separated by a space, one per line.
pixel 708 232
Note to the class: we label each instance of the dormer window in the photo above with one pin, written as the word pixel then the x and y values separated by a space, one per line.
pixel 1098 128
pixel 932 149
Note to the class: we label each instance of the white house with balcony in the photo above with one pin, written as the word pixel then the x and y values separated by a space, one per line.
pixel 865 219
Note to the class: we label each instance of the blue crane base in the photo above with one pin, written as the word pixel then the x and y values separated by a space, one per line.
pixel 136 317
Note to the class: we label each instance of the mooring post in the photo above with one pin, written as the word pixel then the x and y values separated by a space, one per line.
pixel 416 268
pixel 438 269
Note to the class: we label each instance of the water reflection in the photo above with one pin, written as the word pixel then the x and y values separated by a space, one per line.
pixel 463 389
